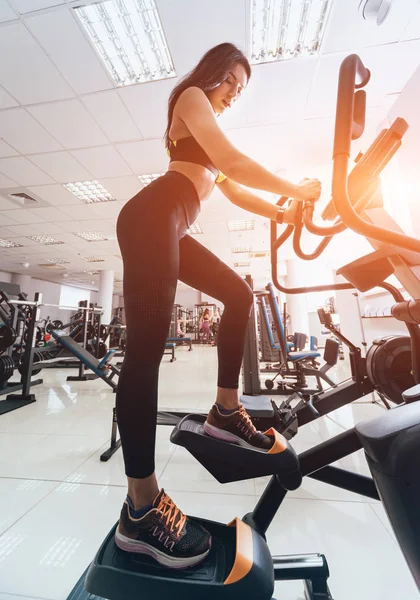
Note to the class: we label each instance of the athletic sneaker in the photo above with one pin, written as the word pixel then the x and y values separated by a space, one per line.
pixel 163 533
pixel 236 427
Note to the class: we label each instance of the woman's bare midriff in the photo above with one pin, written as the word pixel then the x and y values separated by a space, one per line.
pixel 202 178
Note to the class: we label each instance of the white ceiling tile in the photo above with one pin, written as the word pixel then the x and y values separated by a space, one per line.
pixel 102 161
pixel 62 38
pixel 4 232
pixel 6 150
pixel 6 100
pixel 5 221
pixel 203 25
pixel 281 88
pixel 6 203
pixel 6 182
pixel 138 98
pixel 19 230
pixel 412 31
pixel 72 226
pixel 24 216
pixel 6 12
pixel 80 214
pixel 110 113
pixel 70 123
pixel 122 188
pixel 28 73
pixel 48 228
pixel 347 29
pixel 49 214
pixel 27 6
pixel 56 195
pixel 148 156
pixel 106 210
pixel 24 133
pixel 23 171
pixel 62 166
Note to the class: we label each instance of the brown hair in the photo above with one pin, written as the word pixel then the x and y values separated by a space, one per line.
pixel 211 71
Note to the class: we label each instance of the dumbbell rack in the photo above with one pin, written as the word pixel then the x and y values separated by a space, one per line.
pixel 13 399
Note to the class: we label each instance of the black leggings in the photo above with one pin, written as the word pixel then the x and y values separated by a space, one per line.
pixel 156 253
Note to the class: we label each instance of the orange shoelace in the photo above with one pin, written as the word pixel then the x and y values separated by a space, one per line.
pixel 245 416
pixel 175 519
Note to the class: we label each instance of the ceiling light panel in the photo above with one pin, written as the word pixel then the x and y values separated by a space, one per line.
pixel 92 236
pixel 195 229
pixel 9 244
pixel 242 264
pixel 129 38
pixel 46 240
pixel 241 250
pixel 241 225
pixel 58 261
pixel 284 29
pixel 89 191
pixel 93 259
pixel 146 179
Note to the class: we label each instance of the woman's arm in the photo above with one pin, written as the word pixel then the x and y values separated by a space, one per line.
pixel 195 110
pixel 253 203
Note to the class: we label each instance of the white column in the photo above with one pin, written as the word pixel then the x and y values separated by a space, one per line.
pixel 24 281
pixel 105 294
pixel 296 303
pixel 348 309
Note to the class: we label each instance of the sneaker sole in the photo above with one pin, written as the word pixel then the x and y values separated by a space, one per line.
pixel 227 436
pixel 129 545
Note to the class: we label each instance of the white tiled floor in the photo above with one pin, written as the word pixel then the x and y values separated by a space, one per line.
pixel 58 500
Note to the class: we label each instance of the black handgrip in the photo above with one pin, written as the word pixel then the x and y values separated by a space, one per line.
pixel 351 107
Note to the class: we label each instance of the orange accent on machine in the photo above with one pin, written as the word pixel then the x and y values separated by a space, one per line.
pixel 244 558
pixel 280 442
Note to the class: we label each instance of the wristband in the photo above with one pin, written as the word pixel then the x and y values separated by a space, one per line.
pixel 280 217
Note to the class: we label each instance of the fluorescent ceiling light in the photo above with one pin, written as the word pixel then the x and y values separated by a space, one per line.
pixel 241 250
pixel 146 179
pixel 47 240
pixel 241 225
pixel 89 191
pixel 9 244
pixel 58 261
pixel 195 229
pixel 283 29
pixel 92 236
pixel 129 38
pixel 93 259
pixel 242 264
pixel 259 254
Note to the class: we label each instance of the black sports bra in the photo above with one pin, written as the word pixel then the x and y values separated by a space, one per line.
pixel 189 150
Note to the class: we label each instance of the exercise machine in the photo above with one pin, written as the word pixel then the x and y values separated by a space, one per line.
pixel 239 565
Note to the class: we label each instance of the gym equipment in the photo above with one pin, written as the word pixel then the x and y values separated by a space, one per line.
pixel 295 366
pixel 8 337
pixel 181 341
pixel 171 351
pixel 14 399
pixel 239 565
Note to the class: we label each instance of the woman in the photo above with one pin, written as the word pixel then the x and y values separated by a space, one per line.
pixel 157 253
pixel 205 326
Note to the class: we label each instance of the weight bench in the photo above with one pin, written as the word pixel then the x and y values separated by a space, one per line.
pixel 171 350
pixel 180 340
pixel 103 369
pixel 303 362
